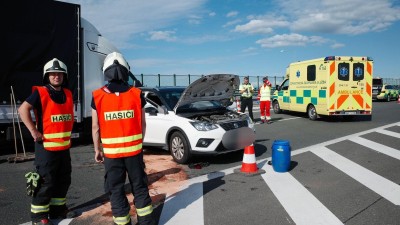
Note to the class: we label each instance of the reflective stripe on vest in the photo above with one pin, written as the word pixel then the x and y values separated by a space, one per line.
pixel 265 93
pixel 40 208
pixel 58 120
pixel 120 120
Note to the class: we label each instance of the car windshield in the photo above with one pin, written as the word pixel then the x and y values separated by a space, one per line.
pixel 377 81
pixel 171 96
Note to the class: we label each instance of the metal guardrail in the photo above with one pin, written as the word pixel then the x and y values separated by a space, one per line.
pixel 159 80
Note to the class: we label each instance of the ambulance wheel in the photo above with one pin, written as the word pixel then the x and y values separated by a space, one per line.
pixel 276 107
pixel 388 98
pixel 312 112
pixel 179 147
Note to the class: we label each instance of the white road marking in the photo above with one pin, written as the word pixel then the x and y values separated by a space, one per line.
pixel 185 206
pixel 373 181
pixel 377 147
pixel 389 133
pixel 302 206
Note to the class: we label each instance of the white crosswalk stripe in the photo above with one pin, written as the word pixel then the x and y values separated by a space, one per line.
pixel 301 205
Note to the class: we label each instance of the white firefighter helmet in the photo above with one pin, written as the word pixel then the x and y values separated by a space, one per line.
pixel 115 67
pixel 54 65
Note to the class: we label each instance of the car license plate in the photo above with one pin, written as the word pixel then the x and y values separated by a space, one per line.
pixel 351 113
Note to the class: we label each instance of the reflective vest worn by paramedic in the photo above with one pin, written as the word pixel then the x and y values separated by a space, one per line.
pixel 58 120
pixel 120 120
pixel 265 93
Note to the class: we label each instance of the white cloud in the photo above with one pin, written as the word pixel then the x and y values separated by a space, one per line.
pixel 231 23
pixel 262 25
pixel 212 14
pixel 232 14
pixel 119 20
pixel 162 35
pixel 340 16
pixel 290 40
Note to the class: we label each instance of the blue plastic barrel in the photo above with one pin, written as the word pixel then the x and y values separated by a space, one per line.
pixel 281 156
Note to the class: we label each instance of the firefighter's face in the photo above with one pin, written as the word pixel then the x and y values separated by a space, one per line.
pixel 56 78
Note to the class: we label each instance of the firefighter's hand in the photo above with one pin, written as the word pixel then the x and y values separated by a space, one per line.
pixel 37 136
pixel 98 156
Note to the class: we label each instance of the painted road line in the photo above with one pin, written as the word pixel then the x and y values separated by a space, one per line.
pixel 377 147
pixel 62 222
pixel 185 206
pixel 302 206
pixel 389 133
pixel 382 186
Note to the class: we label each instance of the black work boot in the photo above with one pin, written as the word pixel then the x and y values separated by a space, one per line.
pixel 146 220
pixel 61 212
pixel 44 221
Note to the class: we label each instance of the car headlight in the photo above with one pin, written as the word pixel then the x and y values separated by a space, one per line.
pixel 204 126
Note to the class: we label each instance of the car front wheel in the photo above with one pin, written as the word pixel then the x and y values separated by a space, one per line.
pixel 179 148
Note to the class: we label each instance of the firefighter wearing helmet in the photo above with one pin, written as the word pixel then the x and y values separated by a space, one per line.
pixel 115 106
pixel 53 107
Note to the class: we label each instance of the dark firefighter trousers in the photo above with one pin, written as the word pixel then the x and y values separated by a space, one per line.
pixel 116 170
pixel 54 168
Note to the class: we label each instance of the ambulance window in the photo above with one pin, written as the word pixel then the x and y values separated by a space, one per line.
pixel 285 85
pixel 311 72
pixel 358 71
pixel 343 71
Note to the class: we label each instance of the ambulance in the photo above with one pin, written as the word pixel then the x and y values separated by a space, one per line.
pixel 330 86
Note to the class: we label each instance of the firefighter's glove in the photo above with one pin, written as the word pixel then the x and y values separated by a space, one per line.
pixel 32 183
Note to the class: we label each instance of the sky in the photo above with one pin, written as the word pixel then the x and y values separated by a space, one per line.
pixel 246 37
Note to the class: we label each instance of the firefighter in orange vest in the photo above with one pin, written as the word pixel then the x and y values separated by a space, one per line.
pixel 53 107
pixel 265 100
pixel 118 121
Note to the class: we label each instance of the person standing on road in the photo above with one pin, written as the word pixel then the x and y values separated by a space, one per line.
pixel 265 100
pixel 118 120
pixel 246 91
pixel 53 107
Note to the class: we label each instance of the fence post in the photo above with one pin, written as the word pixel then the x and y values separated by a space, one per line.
pixel 141 78
pixel 189 78
pixel 159 80
pixel 174 79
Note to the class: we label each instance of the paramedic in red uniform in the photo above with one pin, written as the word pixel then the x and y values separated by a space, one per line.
pixel 118 121
pixel 53 107
pixel 265 100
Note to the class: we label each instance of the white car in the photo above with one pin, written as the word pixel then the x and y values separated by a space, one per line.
pixel 196 120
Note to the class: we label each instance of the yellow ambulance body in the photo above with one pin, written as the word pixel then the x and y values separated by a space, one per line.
pixel 330 86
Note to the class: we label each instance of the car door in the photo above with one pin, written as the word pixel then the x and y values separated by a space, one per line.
pixel 158 120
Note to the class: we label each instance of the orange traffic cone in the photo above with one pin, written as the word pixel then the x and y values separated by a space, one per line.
pixel 238 105
pixel 249 166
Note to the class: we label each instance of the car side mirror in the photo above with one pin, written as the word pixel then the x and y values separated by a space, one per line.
pixel 277 87
pixel 151 110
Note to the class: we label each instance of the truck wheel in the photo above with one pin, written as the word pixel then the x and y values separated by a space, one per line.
pixel 312 112
pixel 179 148
pixel 276 107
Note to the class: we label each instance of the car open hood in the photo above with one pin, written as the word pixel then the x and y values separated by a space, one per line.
pixel 217 87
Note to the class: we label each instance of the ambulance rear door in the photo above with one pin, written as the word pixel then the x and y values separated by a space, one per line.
pixel 350 89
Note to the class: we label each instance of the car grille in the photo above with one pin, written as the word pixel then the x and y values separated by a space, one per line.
pixel 234 125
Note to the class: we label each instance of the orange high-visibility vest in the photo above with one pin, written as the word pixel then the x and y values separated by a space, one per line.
pixel 120 120
pixel 58 120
